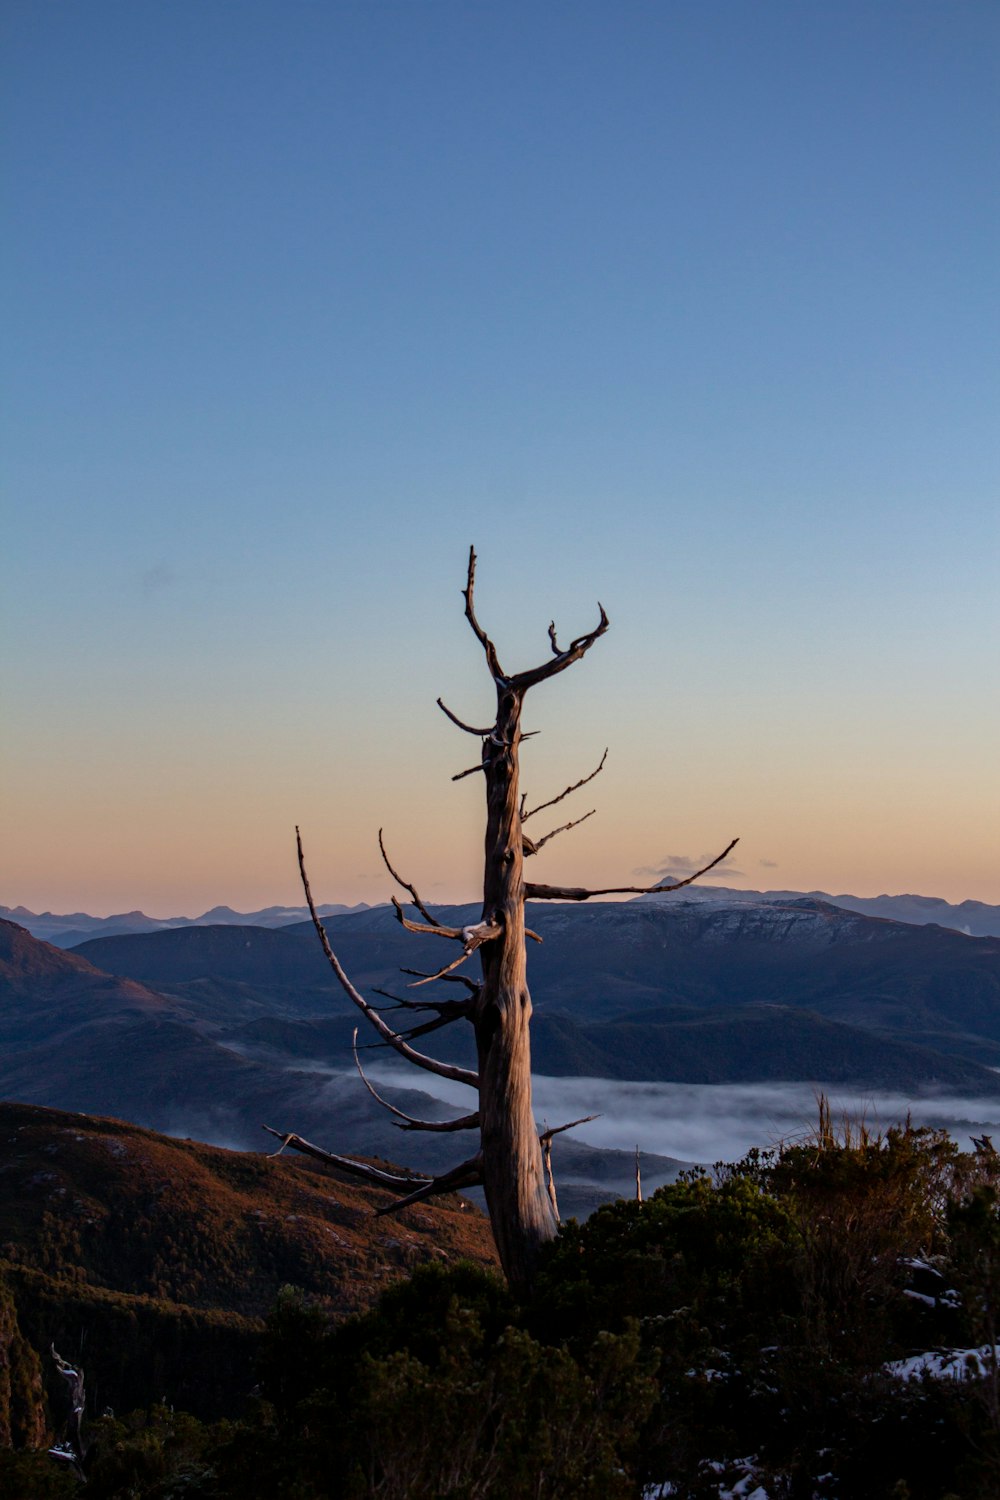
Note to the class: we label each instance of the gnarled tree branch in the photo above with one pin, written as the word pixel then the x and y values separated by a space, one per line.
pixel 545 1140
pixel 550 1131
pixel 466 1122
pixel 467 1174
pixel 447 1011
pixel 473 937
pixel 421 908
pixel 474 986
pixel 345 1163
pixel 431 1064
pixel 579 893
pixel 492 661
pixel 469 771
pixel 434 927
pixel 553 800
pixel 451 1010
pixel 531 847
pixel 74 1450
pixel 481 734
pixel 522 681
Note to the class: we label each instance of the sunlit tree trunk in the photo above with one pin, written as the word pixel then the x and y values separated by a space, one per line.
pixel 511 1162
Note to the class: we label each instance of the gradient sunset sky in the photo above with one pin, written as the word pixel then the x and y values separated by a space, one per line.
pixel 690 308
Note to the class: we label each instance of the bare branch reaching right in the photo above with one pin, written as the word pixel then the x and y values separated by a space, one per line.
pixel 574 788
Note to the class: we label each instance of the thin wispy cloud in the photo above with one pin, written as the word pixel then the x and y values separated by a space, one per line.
pixel 768 864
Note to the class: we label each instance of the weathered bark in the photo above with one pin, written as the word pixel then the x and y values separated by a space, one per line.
pixel 513 1163
pixel 521 1210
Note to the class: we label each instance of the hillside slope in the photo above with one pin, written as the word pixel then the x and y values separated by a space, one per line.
pixel 113 1238
pixel 77 1038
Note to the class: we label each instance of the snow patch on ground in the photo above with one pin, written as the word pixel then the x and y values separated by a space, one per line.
pixel 737 1481
pixel 946 1364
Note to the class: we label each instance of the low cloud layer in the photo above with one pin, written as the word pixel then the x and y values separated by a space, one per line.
pixel 715 1122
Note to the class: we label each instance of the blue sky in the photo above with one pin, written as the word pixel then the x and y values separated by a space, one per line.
pixel 689 308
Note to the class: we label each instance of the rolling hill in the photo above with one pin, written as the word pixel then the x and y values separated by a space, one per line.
pixel 116 1241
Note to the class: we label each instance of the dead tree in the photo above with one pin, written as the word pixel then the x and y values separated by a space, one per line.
pixel 511 1158
pixel 72 1450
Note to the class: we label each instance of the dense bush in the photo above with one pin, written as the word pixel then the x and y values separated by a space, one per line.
pixel 735 1331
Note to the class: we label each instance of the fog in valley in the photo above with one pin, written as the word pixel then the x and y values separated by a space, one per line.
pixel 710 1122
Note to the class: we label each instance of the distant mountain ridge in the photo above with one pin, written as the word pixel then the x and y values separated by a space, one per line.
pixel 76 927
pixel 974 918
pixel 926 990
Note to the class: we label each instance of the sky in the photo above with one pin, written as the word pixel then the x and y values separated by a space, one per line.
pixel 688 308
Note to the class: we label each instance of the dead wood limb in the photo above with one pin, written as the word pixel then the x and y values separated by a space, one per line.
pixel 547 1134
pixel 522 681
pixel 481 734
pixel 421 908
pixel 469 771
pixel 553 800
pixel 550 1182
pixel 579 893
pixel 552 638
pixel 411 1033
pixel 345 1163
pixel 401 1002
pixel 466 1122
pixel 73 1451
pixel 467 1174
pixel 531 847
pixel 492 661
pixel 545 1141
pixel 431 1064
pixel 449 1010
pixel 474 986
pixel 473 937
pixel 434 927
pixel 441 973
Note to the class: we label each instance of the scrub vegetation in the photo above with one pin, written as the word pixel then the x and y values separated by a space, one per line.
pixel 817 1321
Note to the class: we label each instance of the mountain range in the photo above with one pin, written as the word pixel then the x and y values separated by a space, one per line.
pixel 974 918
pixel 73 1036
pixel 75 927
pixel 211 1031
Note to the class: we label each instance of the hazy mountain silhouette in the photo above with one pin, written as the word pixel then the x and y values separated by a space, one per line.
pixel 866 983
pixel 974 918
pixel 76 1038
pixel 68 930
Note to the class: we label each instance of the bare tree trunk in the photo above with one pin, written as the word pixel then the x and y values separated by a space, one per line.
pixel 521 1210
pixel 513 1163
